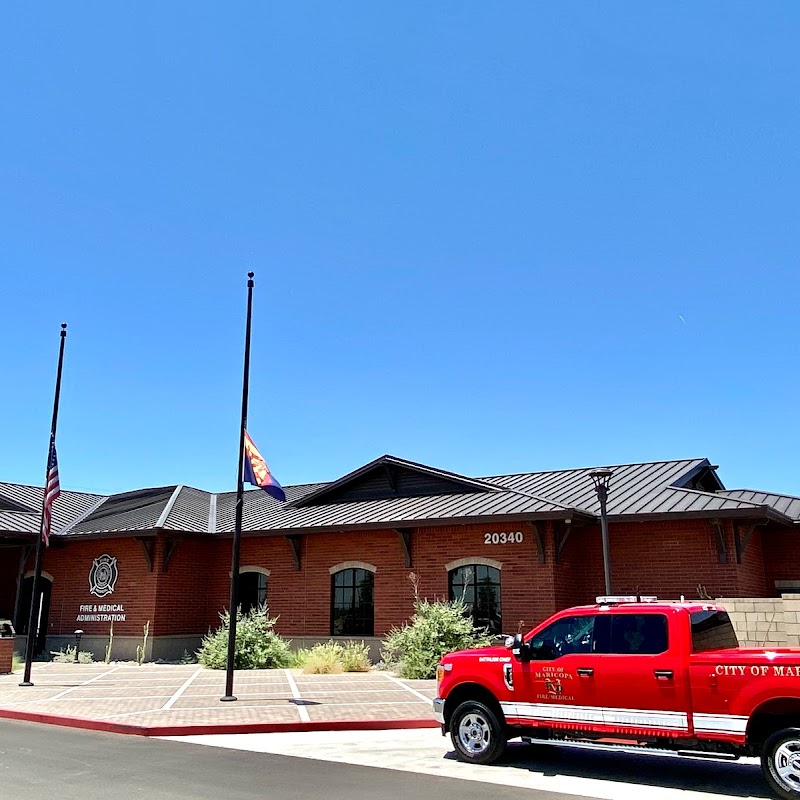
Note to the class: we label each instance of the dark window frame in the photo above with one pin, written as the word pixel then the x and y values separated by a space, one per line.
pixel 259 602
pixel 494 622
pixel 359 620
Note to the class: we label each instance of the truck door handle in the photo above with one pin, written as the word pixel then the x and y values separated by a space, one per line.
pixel 664 674
pixel 585 672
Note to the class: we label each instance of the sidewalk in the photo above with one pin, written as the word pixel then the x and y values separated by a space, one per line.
pixel 176 700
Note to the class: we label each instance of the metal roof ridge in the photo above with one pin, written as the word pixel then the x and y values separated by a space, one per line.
pixel 586 469
pixel 88 513
pixel 168 507
pixel 543 499
pixel 711 494
pixel 212 513
pixel 760 491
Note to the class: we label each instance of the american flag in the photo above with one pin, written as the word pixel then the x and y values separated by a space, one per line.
pixel 51 492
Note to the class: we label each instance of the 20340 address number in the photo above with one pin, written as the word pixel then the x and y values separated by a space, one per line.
pixel 503 538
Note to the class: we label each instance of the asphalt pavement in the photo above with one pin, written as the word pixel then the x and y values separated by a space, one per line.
pixel 40 761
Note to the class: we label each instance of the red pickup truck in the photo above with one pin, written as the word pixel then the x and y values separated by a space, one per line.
pixel 629 672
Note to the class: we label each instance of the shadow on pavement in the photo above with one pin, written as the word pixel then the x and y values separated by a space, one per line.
pixel 735 779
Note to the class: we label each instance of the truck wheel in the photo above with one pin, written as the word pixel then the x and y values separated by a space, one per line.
pixel 780 762
pixel 477 734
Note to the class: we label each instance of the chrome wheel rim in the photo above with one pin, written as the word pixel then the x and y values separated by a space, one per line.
pixel 474 733
pixel 786 762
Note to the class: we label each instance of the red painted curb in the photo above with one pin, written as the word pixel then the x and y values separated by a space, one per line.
pixel 198 730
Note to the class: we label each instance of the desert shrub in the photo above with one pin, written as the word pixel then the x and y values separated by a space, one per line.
pixel 324 658
pixel 355 657
pixel 331 657
pixel 436 628
pixel 67 656
pixel 257 644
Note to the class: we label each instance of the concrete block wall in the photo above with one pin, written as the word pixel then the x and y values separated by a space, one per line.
pixel 765 621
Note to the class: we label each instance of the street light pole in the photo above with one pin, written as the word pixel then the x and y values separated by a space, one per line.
pixel 601 478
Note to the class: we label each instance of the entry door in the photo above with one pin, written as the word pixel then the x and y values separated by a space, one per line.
pixel 41 619
pixel 557 688
pixel 640 678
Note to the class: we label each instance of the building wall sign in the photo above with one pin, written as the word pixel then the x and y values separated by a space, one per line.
pixel 103 576
pixel 103 612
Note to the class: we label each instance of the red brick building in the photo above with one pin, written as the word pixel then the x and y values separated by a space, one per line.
pixel 336 557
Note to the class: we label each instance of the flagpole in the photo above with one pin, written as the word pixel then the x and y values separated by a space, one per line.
pixel 237 526
pixel 33 616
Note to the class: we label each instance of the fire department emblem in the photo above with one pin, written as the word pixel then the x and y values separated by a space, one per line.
pixel 554 686
pixel 103 576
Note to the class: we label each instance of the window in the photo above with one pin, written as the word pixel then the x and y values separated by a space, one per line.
pixel 252 590
pixel 352 609
pixel 564 636
pixel 712 630
pixel 478 586
pixel 638 634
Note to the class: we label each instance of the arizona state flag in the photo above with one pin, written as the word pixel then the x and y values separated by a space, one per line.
pixel 257 472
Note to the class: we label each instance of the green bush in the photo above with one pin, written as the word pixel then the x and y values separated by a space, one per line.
pixel 257 644
pixel 67 656
pixel 436 628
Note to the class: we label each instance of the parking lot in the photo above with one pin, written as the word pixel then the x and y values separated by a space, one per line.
pixel 155 697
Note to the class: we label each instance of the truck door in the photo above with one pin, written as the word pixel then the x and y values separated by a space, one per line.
pixel 556 688
pixel 642 678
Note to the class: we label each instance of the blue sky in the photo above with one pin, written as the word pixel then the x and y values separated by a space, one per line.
pixel 491 238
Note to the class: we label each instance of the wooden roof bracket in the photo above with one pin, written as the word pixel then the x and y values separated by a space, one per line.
pixel 560 539
pixel 296 540
pixel 149 549
pixel 741 542
pixel 722 549
pixel 170 545
pixel 537 535
pixel 406 536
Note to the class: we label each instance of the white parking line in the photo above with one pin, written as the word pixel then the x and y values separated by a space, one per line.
pixel 171 702
pixel 409 689
pixel 301 709
pixel 81 685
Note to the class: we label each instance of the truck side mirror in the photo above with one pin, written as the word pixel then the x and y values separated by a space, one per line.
pixel 519 649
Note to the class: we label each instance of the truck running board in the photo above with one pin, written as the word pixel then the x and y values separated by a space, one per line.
pixel 631 748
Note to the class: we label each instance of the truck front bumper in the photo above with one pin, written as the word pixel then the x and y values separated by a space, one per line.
pixel 438 710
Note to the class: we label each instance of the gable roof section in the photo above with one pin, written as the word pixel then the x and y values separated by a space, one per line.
pixel 390 477
pixel 129 511
pixel 69 507
pixel 633 489
pixel 787 504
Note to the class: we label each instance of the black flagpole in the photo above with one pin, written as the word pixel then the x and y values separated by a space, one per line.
pixel 33 617
pixel 237 527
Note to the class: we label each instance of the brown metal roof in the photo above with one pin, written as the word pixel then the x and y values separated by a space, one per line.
pixel 637 491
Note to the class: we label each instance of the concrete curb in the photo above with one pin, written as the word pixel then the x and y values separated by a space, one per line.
pixel 223 728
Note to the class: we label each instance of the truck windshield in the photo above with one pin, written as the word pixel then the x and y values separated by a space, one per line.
pixel 712 630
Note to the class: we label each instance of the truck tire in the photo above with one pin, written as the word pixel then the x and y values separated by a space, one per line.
pixel 477 735
pixel 780 762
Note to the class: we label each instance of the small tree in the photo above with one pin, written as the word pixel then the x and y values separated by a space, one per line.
pixel 257 644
